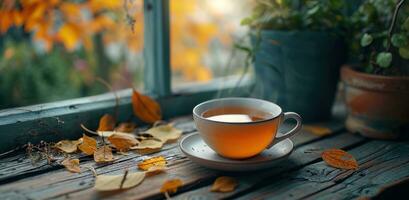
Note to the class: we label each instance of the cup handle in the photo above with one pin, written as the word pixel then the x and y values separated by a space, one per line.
pixel 293 131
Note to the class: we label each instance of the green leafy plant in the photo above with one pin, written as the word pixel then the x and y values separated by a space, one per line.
pixel 381 36
pixel 313 15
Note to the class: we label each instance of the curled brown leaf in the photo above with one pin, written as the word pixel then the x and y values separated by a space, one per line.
pixel 339 159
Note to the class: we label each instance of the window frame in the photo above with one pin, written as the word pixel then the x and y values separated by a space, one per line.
pixel 61 119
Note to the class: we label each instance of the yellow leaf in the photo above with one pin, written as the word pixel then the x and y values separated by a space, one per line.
pixel 151 162
pixel 88 145
pixel 106 123
pixel 118 182
pixel 145 108
pixel 339 159
pixel 165 133
pixel 171 186
pixel 103 154
pixel 72 165
pixel 224 184
pixel 70 9
pixel 148 144
pixel 100 23
pixel 317 130
pixel 98 5
pixel 122 141
pixel 68 146
pixel 69 36
pixel 127 127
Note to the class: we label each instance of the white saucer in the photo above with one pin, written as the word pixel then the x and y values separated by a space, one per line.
pixel 197 151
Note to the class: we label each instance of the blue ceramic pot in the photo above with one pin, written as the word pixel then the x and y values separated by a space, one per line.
pixel 299 70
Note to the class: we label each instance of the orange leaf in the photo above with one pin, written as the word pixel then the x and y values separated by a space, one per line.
pixel 224 184
pixel 72 165
pixel 171 186
pixel 68 146
pixel 147 164
pixel 88 145
pixel 6 21
pixel 145 108
pixel 103 154
pixel 18 18
pixel 339 159
pixel 126 127
pixel 69 35
pixel 122 141
pixel 106 123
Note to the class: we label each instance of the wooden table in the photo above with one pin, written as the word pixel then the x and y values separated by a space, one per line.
pixel 384 170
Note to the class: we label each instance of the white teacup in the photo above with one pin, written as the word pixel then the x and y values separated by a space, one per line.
pixel 223 126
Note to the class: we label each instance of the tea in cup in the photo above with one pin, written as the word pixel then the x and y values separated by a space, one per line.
pixel 240 128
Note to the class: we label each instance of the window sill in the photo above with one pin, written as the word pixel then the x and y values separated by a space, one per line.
pixel 61 120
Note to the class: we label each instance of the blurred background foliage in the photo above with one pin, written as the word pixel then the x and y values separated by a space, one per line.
pixel 55 49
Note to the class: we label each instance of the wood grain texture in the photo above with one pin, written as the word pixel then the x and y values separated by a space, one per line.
pixel 381 163
pixel 19 166
pixel 303 155
pixel 33 182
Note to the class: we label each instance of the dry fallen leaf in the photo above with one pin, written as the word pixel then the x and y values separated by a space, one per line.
pixel 88 145
pixel 117 182
pixel 103 154
pixel 72 165
pixel 105 133
pixel 126 127
pixel 171 186
pixel 155 161
pixel 148 144
pixel 317 130
pixel 122 141
pixel 165 133
pixel 106 123
pixel 224 184
pixel 155 170
pixel 145 108
pixel 68 146
pixel 339 159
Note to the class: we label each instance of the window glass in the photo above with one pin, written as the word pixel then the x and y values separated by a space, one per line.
pixel 56 49
pixel 203 33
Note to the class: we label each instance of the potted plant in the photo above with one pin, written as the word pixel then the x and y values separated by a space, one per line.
pixel 377 86
pixel 298 49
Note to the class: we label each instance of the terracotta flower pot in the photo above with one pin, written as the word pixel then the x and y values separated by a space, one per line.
pixel 378 106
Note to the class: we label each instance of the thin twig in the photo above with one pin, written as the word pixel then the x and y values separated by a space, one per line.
pixel 89 131
pixel 167 196
pixel 93 171
pixel 129 19
pixel 115 94
pixel 392 26
pixel 123 179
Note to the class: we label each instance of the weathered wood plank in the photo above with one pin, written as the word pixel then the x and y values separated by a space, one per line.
pixel 196 176
pixel 19 166
pixel 300 157
pixel 59 183
pixel 381 163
